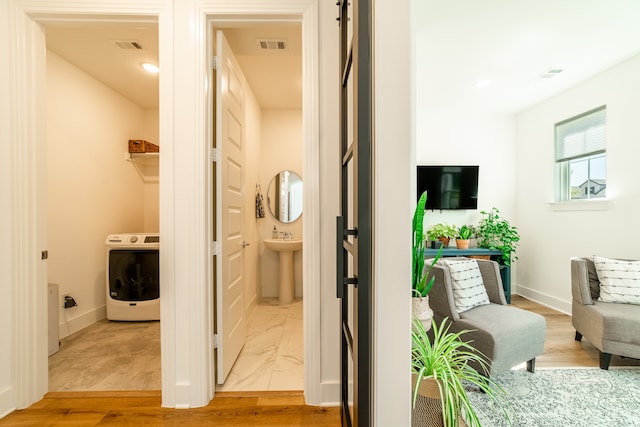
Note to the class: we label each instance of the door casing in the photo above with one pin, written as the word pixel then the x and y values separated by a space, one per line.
pixel 185 338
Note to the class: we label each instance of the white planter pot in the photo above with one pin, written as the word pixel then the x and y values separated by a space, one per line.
pixel 420 309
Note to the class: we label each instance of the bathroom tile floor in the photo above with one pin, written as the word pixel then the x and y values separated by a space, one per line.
pixel 272 357
pixel 126 355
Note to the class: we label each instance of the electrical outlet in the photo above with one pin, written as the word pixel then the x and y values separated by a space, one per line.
pixel 68 301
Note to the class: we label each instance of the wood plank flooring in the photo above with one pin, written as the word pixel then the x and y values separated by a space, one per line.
pixel 284 408
pixel 134 408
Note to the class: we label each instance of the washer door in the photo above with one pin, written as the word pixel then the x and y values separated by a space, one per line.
pixel 134 274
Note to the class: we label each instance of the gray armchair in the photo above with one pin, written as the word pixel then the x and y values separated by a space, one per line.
pixel 611 327
pixel 507 335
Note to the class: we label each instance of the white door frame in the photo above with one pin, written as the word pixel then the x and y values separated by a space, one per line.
pixel 186 333
pixel 305 12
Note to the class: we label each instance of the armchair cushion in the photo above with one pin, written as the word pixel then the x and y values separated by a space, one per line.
pixel 619 280
pixel 468 288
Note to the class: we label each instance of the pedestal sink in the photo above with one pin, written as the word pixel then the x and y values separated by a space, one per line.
pixel 286 248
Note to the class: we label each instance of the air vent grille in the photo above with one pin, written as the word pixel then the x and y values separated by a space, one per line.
pixel 551 72
pixel 272 44
pixel 128 44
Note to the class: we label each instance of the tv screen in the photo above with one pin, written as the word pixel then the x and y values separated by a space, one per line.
pixel 449 187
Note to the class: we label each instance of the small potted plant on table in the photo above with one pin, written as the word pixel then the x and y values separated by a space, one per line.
pixel 464 235
pixel 441 232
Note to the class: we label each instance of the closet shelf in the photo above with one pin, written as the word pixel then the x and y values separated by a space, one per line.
pixel 146 165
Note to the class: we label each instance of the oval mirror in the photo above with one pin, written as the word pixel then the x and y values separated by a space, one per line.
pixel 284 196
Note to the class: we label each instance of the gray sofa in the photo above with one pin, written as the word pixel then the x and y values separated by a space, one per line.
pixel 611 327
pixel 507 335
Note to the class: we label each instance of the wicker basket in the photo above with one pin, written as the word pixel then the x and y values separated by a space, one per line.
pixel 479 256
pixel 142 146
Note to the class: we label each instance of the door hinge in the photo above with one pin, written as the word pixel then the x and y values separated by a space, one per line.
pixel 214 62
pixel 45 255
pixel 215 155
pixel 215 248
pixel 215 340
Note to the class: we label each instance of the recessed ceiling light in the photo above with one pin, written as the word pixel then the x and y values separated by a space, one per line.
pixel 483 83
pixel 152 68
pixel 551 72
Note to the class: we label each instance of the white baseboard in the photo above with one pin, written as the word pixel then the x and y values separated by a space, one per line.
pixel 70 326
pixel 544 299
pixel 330 393
pixel 6 402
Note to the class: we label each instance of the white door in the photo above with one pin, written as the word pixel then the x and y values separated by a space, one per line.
pixel 230 319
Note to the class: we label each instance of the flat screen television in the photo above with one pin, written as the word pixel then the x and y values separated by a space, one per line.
pixel 449 187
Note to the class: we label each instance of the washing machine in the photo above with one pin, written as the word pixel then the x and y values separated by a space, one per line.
pixel 133 277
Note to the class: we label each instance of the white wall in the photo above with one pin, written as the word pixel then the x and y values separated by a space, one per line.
pixel 329 202
pixel 461 137
pixel 92 190
pixel 6 221
pixel 453 133
pixel 281 150
pixel 549 236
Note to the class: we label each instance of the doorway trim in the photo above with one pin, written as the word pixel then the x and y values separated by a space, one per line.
pixel 27 148
pixel 185 338
pixel 305 12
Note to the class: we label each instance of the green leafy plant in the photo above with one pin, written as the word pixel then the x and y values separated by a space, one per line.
pixel 495 232
pixel 445 358
pixel 419 284
pixel 441 230
pixel 466 232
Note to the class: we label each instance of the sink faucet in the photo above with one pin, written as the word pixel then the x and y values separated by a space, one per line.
pixel 288 235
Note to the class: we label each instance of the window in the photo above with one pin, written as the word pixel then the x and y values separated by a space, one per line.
pixel 581 158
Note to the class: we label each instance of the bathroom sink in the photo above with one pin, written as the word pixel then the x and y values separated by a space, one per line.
pixel 283 245
pixel 285 249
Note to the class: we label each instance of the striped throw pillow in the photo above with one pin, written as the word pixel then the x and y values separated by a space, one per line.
pixel 468 288
pixel 619 280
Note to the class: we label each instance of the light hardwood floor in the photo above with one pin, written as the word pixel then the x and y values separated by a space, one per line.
pixel 284 408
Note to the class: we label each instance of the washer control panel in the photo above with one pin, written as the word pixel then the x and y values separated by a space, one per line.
pixel 137 240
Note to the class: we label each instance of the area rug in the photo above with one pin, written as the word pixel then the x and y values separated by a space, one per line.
pixel 565 397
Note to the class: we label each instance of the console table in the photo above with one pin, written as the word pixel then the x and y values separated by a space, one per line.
pixel 495 255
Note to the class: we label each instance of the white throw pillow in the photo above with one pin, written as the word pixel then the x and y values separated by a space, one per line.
pixel 468 287
pixel 619 280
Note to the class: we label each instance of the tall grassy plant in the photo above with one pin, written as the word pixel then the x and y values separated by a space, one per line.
pixel 419 283
pixel 446 358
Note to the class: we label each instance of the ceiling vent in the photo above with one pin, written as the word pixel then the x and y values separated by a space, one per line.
pixel 272 44
pixel 551 72
pixel 128 44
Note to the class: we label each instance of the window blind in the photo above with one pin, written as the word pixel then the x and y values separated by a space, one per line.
pixel 582 135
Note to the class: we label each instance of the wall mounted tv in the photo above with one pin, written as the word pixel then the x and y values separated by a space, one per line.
pixel 449 187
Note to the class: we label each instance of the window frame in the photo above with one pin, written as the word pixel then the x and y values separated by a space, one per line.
pixel 562 179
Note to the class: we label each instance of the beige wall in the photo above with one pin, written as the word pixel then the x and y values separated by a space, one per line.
pixel 281 150
pixel 151 189
pixel 92 190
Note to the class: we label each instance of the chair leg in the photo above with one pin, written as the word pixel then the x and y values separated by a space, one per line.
pixel 531 365
pixel 605 359
pixel 578 336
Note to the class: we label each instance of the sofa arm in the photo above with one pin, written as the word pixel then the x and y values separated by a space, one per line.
pixel 441 295
pixel 490 272
pixel 580 281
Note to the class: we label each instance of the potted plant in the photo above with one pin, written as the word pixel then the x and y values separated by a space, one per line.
pixel 419 285
pixel 442 232
pixel 441 371
pixel 495 232
pixel 464 235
